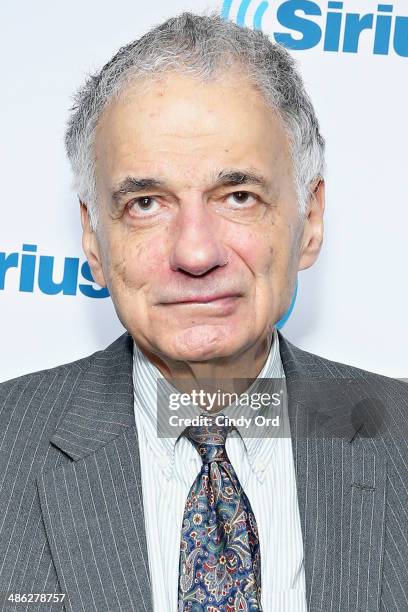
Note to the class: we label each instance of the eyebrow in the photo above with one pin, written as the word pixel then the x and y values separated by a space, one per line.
pixel 225 178
pixel 132 184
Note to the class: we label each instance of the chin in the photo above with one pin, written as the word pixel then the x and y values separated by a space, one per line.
pixel 201 343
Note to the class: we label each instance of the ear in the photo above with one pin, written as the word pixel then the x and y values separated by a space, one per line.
pixel 312 237
pixel 91 247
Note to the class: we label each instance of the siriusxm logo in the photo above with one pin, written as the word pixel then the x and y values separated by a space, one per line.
pixel 307 24
pixel 37 273
pixel 34 272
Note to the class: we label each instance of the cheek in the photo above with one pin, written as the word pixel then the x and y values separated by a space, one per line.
pixel 133 263
pixel 251 244
pixel 266 250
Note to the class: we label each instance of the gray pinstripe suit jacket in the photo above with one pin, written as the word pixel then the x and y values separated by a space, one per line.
pixel 71 513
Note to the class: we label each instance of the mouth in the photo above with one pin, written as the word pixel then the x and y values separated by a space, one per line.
pixel 205 299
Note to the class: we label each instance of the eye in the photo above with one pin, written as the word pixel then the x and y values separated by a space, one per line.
pixel 241 199
pixel 144 204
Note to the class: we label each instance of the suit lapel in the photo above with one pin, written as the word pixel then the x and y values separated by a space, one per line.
pixel 93 507
pixel 341 490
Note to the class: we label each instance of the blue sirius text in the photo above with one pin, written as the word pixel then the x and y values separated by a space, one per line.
pixel 329 24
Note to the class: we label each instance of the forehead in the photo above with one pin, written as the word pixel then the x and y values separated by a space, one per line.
pixel 178 124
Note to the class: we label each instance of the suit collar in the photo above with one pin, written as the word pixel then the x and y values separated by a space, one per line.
pixel 101 405
pixel 92 507
pixel 322 399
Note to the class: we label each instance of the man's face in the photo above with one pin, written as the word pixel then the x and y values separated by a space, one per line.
pixel 200 252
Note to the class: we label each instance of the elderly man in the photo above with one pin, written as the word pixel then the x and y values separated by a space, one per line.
pixel 199 167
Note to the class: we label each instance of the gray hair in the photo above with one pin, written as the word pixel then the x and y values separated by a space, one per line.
pixel 201 45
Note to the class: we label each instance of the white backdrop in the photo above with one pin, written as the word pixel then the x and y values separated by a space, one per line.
pixel 351 306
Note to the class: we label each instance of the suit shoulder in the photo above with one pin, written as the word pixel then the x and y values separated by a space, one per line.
pixel 59 379
pixel 386 394
pixel 78 365
pixel 312 365
pixel 350 371
pixel 53 372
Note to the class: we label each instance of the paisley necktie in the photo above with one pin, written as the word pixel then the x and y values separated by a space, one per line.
pixel 220 565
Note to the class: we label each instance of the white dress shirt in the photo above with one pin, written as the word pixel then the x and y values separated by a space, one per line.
pixel 265 469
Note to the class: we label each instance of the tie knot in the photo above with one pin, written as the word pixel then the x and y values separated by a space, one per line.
pixel 209 441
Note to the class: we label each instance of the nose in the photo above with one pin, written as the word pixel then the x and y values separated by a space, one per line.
pixel 197 248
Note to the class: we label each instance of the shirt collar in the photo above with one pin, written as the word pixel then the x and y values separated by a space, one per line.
pixel 145 375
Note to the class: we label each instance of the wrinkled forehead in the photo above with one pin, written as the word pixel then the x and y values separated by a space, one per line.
pixel 177 124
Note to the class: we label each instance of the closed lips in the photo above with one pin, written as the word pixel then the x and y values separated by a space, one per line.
pixel 204 298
